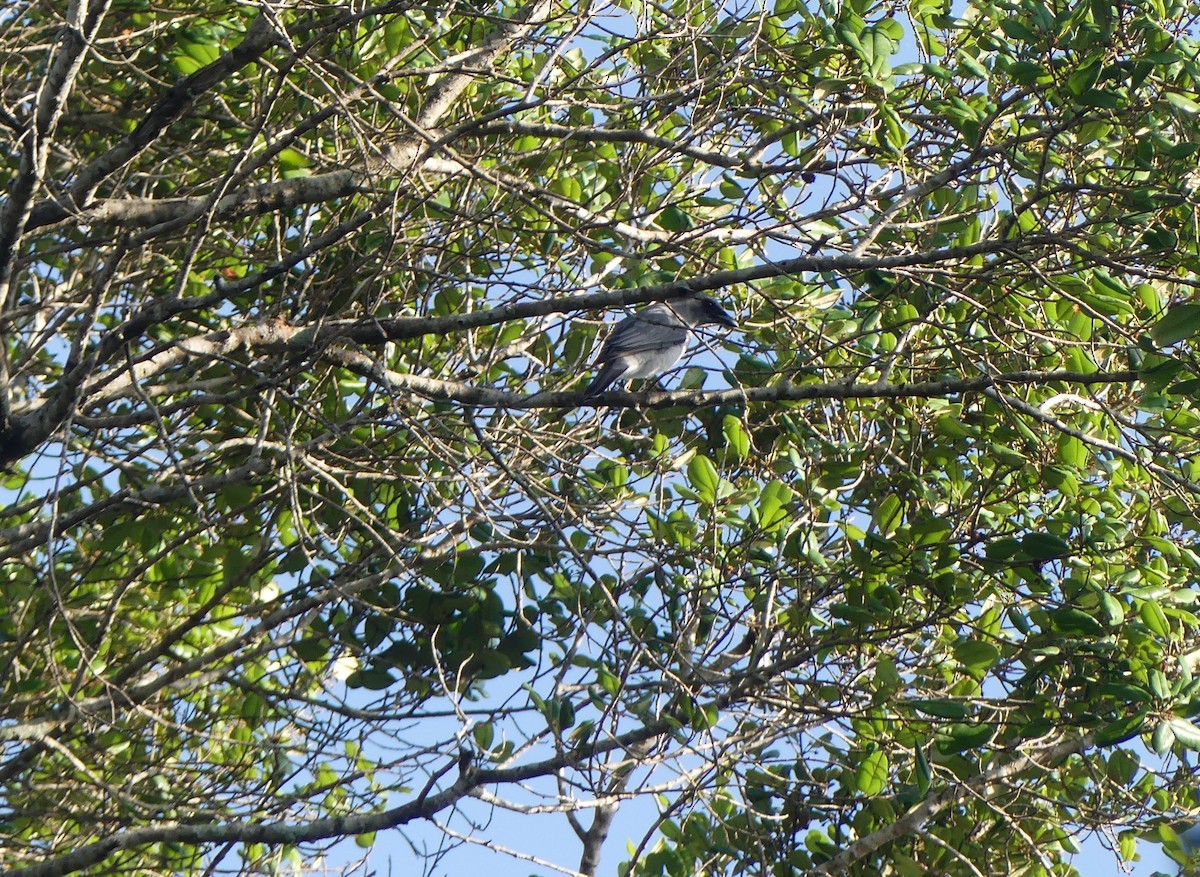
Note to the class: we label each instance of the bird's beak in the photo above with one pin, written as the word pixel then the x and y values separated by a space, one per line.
pixel 725 319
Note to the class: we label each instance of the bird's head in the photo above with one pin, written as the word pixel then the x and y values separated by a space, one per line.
pixel 702 310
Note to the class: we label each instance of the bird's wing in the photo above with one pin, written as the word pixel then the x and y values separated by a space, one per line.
pixel 652 331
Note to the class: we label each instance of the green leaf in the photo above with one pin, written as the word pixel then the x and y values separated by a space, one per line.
pixel 1005 548
pixel 1189 388
pixel 1124 692
pixel 1154 618
pixel 971 67
pixel 1113 609
pixel 185 65
pixel 1162 738
pixel 1075 621
pixel 1121 730
pixel 1158 684
pixel 1178 324
pixel 1083 79
pixel 372 679
pixel 1185 732
pixel 943 709
pixel 610 682
pixel 290 160
pixel 672 219
pixel 1159 371
pixel 204 52
pixel 887 514
pixel 566 714
pixel 772 502
pixel 490 663
pixel 1024 72
pixel 872 774
pixel 736 438
pixel 951 427
pixel 959 737
pixel 1182 102
pixel 1044 546
pixel 820 844
pixel 731 190
pixel 1072 452
pixel 976 654
pixel 311 649
pixel 1019 32
pixel 702 475
pixel 790 143
pixel 485 734
pixel 924 774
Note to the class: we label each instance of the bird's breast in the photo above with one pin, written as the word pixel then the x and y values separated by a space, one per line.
pixel 649 364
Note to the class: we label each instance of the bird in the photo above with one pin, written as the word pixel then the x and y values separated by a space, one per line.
pixel 651 341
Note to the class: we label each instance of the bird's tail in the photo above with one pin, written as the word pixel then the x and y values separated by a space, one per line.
pixel 608 375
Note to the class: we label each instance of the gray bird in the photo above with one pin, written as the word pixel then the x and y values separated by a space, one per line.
pixel 651 341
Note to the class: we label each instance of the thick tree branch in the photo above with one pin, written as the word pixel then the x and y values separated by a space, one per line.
pixel 34 424
pixel 133 213
pixel 696 399
pixel 422 807
pixel 593 839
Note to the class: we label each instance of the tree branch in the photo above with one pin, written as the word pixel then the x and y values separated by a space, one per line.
pixel 83 22
pixel 265 197
pixel 914 819
pixel 424 806
pixel 33 425
pixel 260 36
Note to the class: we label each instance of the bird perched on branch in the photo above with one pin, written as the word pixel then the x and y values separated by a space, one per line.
pixel 652 340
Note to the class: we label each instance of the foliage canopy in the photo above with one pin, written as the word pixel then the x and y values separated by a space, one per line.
pixel 306 536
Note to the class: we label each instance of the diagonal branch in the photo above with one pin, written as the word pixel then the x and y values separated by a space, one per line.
pixel 260 36
pixel 400 155
pixel 83 21
pixel 920 814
